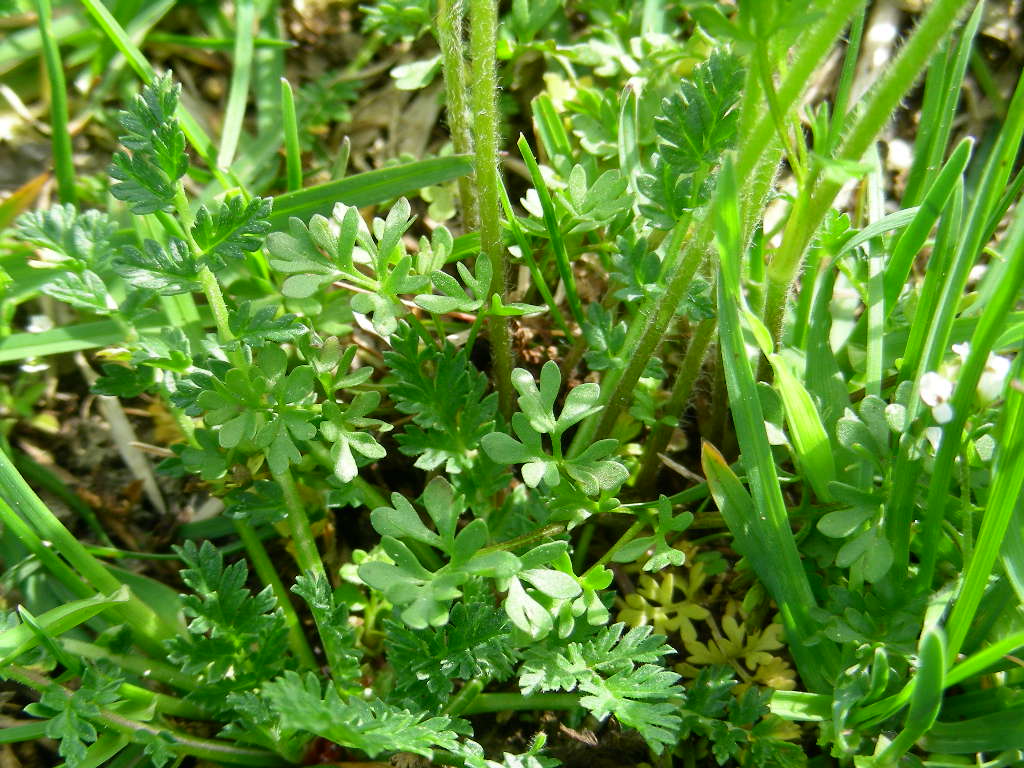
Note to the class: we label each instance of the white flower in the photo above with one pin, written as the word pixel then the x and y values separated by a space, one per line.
pixel 935 391
pixel 990 384
pixel 934 436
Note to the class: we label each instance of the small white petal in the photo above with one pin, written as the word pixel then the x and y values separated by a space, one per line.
pixel 993 377
pixel 934 436
pixel 942 413
pixel 935 389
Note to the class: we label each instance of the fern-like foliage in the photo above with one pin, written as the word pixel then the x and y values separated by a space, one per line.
pixel 232 229
pixel 71 715
pixel 336 634
pixel 618 675
pixel 236 640
pixel 72 239
pixel 737 728
pixel 371 726
pixel 451 411
pixel 166 270
pixel 476 641
pixel 147 178
pixel 696 125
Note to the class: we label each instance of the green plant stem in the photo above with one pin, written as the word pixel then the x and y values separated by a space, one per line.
pixel 450 21
pixel 150 669
pixel 60 138
pixel 624 539
pixel 686 377
pixel 585 434
pixel 527 255
pixel 507 702
pixel 168 705
pixel 758 124
pixel 182 743
pixel 817 196
pixel 268 574
pixel 211 288
pixel 764 70
pixel 545 532
pixel 483 40
pixel 21 530
pixel 558 248
pixel 657 325
pixel 464 699
pixel 306 553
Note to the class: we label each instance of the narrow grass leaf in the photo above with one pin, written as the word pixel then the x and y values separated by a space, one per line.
pixel 913 238
pixel 990 325
pixel 526 253
pixel 554 231
pixel 777 561
pixel 292 151
pixel 241 74
pixel 800 705
pixel 21 638
pixel 925 700
pixel 367 188
pixel 941 96
pixel 810 441
pixel 60 137
pixel 30 507
pixel 1004 497
pixel 995 732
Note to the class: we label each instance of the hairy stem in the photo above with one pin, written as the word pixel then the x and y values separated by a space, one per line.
pixel 450 17
pixel 881 101
pixel 653 333
pixel 483 39
pixel 686 377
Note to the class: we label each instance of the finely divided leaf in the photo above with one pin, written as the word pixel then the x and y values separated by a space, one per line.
pixel 83 239
pixel 371 726
pixel 167 271
pixel 233 229
pixel 147 179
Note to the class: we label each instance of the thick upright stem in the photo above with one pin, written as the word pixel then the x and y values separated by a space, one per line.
pixel 656 328
pixel 306 554
pixel 483 39
pixel 882 100
pixel 450 18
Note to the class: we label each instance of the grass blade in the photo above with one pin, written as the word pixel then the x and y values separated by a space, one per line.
pixel 942 94
pixel 1004 497
pixel 21 638
pixel 554 231
pixel 292 152
pixel 990 326
pixel 925 701
pixel 60 137
pixel 367 188
pixel 914 236
pixel 241 73
pixel 765 529
pixel 47 527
